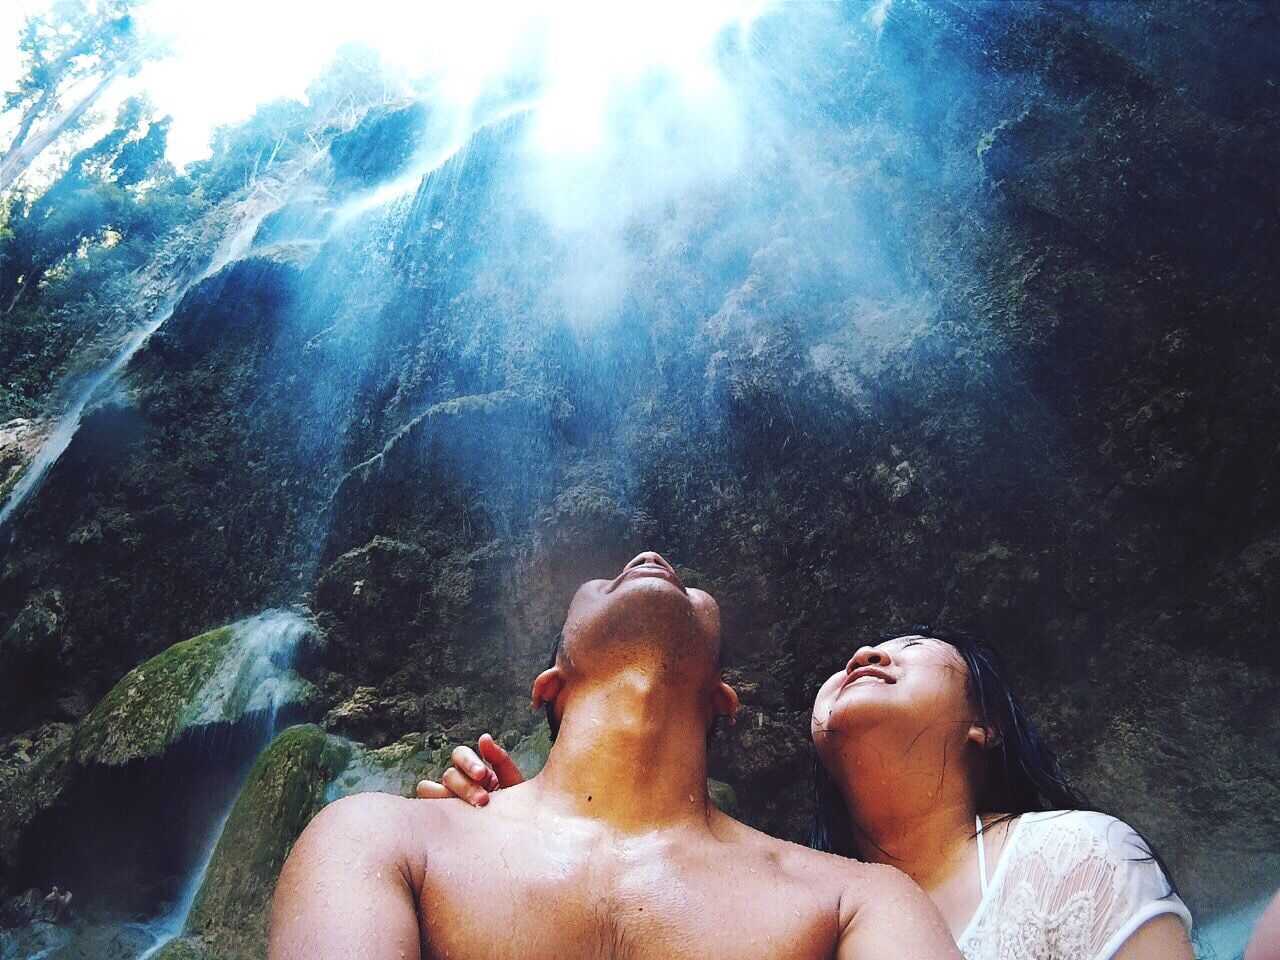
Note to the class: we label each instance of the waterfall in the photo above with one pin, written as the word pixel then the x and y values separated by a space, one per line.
pixel 250 215
pixel 251 680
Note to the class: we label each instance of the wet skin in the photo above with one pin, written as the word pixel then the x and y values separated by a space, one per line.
pixel 613 852
pixel 527 882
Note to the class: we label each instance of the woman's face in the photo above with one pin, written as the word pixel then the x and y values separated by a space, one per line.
pixel 904 688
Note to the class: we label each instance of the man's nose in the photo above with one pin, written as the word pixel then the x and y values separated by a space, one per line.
pixel 868 657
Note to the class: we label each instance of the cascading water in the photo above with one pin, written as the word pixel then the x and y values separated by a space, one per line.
pixel 244 223
pixel 693 279
pixel 237 710
pixel 252 679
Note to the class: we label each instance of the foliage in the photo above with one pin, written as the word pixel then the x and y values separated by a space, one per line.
pixel 285 789
pixel 76 47
pixel 72 250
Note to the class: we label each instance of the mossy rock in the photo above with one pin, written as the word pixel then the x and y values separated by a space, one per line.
pixel 395 768
pixel 286 788
pixel 184 948
pixel 531 752
pixel 28 790
pixel 142 714
pixel 37 631
pixel 208 679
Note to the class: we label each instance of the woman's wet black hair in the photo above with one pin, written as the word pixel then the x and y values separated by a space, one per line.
pixel 1023 773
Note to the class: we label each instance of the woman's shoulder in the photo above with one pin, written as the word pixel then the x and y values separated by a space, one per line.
pixel 1087 847
pixel 1089 828
pixel 1096 866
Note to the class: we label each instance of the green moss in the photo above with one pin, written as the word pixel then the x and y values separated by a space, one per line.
pixel 184 948
pixel 213 678
pixel 26 791
pixel 531 753
pixel 143 713
pixel 9 482
pixel 395 768
pixel 36 632
pixel 285 789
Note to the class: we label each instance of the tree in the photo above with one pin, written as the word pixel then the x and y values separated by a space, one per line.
pixel 89 197
pixel 77 49
pixel 356 79
pixel 241 154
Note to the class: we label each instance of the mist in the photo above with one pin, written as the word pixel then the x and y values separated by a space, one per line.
pixel 407 318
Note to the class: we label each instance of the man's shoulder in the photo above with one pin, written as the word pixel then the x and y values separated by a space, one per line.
pixel 382 821
pixel 873 894
pixel 370 808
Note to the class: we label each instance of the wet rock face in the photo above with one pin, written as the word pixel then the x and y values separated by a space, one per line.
pixel 381 147
pixel 215 678
pixel 285 789
pixel 1038 399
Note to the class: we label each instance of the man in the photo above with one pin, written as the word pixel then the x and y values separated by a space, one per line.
pixel 59 904
pixel 614 850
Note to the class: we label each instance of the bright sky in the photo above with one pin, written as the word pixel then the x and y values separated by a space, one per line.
pixel 232 55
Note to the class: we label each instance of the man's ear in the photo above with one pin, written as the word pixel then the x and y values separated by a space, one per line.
pixel 725 700
pixel 985 737
pixel 547 686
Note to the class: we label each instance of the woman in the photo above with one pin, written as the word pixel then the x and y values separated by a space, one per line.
pixel 927 762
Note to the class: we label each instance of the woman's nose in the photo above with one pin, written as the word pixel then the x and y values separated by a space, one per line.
pixel 868 657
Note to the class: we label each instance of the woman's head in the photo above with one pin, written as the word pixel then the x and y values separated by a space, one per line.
pixel 932 687
pixel 897 689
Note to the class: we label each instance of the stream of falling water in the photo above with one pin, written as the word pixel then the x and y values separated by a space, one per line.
pixel 252 211
pixel 256 208
pixel 254 674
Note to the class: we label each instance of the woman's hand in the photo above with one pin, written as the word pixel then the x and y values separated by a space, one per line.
pixel 471 778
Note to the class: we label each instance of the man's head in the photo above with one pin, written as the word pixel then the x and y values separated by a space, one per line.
pixel 644 619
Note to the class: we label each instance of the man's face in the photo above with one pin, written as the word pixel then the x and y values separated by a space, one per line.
pixel 645 607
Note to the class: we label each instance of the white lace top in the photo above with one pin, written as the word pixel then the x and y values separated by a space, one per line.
pixel 1070 885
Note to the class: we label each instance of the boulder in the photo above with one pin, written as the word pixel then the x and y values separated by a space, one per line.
pixel 215 677
pixel 184 948
pixel 286 788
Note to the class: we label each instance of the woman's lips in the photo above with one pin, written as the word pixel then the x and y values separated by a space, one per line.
pixel 869 674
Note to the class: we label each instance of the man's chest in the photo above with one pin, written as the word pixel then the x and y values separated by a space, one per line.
pixel 542 901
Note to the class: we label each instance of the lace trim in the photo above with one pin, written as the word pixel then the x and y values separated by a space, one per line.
pixel 1070 885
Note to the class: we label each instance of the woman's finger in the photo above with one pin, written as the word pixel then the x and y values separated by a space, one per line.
pixel 507 774
pixel 465 788
pixel 430 790
pixel 465 759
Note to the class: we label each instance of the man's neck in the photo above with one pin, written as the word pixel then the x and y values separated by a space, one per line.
pixel 631 751
pixel 907 816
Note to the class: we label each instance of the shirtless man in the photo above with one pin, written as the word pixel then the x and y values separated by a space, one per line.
pixel 614 850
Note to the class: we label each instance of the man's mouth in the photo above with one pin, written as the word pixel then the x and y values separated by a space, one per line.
pixel 650 565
